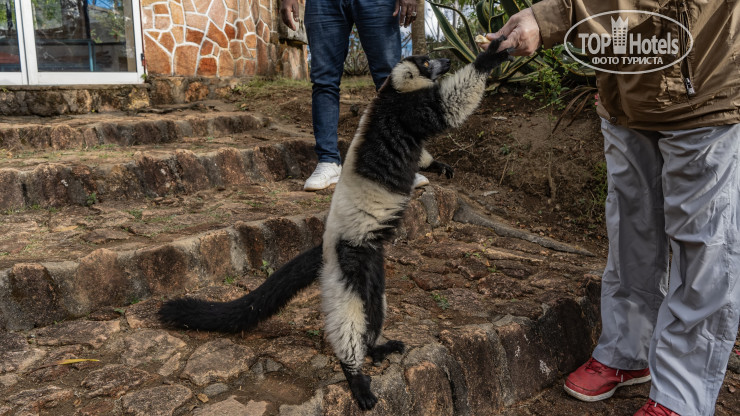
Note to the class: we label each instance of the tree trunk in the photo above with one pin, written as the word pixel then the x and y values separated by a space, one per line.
pixel 418 31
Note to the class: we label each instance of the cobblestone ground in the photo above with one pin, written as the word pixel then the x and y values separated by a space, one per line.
pixel 492 324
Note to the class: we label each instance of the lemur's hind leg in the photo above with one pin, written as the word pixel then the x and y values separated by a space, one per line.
pixel 375 306
pixel 359 385
pixel 346 329
pixel 428 164
pixel 352 286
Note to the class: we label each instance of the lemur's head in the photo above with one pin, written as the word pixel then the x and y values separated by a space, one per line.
pixel 417 72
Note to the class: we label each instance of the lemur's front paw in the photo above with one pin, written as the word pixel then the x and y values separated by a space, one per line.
pixel 441 169
pixel 490 58
pixel 447 171
pixel 495 43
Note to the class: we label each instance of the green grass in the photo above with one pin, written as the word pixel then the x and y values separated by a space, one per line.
pixel 92 199
pixel 260 86
pixel 136 213
pixel 166 218
pixel 357 82
pixel 266 268
pixel 441 300
pixel 107 146
pixel 593 204
pixel 601 187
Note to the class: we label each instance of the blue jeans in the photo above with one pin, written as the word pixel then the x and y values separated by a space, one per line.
pixel 328 26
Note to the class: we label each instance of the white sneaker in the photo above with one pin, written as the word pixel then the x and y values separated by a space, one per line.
pixel 326 174
pixel 420 180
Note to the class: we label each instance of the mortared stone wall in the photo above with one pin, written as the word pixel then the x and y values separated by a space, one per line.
pixel 224 38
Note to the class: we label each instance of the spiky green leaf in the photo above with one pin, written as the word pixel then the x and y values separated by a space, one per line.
pixel 511 7
pixel 496 22
pixel 458 54
pixel 461 50
pixel 485 11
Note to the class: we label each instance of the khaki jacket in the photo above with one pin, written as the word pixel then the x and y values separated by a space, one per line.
pixel 661 100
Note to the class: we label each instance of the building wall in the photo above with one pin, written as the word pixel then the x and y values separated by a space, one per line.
pixel 222 38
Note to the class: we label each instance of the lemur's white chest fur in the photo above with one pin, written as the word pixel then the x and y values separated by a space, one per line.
pixel 360 206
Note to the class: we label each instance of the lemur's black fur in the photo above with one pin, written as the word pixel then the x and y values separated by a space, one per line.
pixel 367 207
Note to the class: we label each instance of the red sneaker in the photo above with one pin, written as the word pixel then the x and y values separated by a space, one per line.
pixel 652 408
pixel 594 381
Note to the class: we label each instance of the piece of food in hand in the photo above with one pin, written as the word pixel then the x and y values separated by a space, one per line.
pixel 481 39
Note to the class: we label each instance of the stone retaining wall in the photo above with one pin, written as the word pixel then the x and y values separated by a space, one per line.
pixel 124 133
pixel 223 38
pixel 53 101
pixel 49 101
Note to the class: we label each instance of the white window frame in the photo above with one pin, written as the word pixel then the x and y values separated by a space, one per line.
pixel 17 78
pixel 29 74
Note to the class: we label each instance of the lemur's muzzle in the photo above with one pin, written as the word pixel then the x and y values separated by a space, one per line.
pixel 438 67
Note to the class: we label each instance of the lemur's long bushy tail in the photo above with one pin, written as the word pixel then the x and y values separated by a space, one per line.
pixel 247 311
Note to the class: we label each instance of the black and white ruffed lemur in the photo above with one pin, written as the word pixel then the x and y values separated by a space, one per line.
pixel 367 207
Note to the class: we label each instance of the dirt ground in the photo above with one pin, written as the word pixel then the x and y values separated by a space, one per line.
pixel 506 156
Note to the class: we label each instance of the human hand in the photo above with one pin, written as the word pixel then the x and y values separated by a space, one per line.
pixel 289 13
pixel 407 11
pixel 522 34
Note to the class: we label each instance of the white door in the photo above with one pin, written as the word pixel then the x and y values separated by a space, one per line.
pixel 52 42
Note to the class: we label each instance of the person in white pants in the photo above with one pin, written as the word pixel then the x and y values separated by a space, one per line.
pixel 672 191
pixel 672 143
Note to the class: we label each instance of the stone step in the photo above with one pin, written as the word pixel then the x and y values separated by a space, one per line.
pixel 122 173
pixel 59 265
pixel 71 232
pixel 152 126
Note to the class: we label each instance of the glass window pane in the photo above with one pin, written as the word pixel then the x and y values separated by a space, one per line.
pixel 9 53
pixel 84 35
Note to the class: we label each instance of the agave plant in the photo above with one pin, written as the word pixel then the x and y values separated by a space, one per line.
pixel 462 50
pixel 492 15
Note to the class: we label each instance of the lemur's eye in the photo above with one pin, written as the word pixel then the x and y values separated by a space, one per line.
pixel 426 64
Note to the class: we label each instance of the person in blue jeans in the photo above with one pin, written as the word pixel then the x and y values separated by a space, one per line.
pixel 328 26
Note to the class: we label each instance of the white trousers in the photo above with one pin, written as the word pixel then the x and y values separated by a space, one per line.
pixel 673 197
